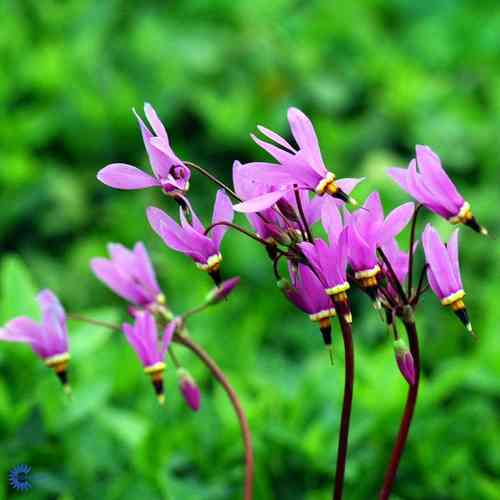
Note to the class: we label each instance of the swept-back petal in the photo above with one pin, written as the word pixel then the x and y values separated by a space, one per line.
pixel 223 211
pixel 276 138
pixel 452 248
pixel 123 176
pixel 154 121
pixel 259 203
pixel 331 220
pixel 395 222
pixel 305 136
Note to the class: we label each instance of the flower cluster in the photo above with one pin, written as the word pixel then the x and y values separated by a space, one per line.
pixel 318 243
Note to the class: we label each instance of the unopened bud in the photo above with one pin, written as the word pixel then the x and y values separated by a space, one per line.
pixel 222 291
pixel 189 389
pixel 405 361
pixel 287 210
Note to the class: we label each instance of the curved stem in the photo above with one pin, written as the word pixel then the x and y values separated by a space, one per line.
pixel 346 405
pixel 95 322
pixel 238 228
pixel 213 179
pixel 410 250
pixel 411 401
pixel 245 430
pixel 307 229
pixel 393 276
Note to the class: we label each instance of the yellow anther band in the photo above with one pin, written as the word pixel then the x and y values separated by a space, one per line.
pixel 338 289
pixel 212 263
pixel 367 273
pixel 57 359
pixel 327 313
pixel 324 183
pixel 463 215
pixel 156 368
pixel 453 298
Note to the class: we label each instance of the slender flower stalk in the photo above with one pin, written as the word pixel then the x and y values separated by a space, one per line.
pixel 245 429
pixel 345 420
pixel 411 400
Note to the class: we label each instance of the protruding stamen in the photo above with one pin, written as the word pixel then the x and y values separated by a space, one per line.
pixel 59 363
pixel 156 373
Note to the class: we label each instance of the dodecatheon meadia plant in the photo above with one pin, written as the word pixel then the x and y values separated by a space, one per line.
pixel 444 272
pixel 130 274
pixel 48 339
pixel 432 187
pixel 191 238
pixel 170 173
pixel 301 168
pixel 367 230
pixel 307 293
pixel 151 350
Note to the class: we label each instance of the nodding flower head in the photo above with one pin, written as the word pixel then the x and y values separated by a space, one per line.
pixel 170 173
pixel 48 339
pixel 307 293
pixel 190 239
pixel 189 389
pixel 432 187
pixel 130 274
pixel 444 272
pixel 143 337
pixel 367 230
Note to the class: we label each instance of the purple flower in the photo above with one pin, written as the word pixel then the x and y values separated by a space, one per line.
pixel 367 230
pixel 48 339
pixel 432 187
pixel 170 173
pixel 130 274
pixel 443 272
pixel 405 361
pixel 189 389
pixel 143 337
pixel 307 293
pixel 189 238
pixel 303 168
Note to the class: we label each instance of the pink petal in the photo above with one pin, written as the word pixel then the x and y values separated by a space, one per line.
pixel 154 121
pixel 259 203
pixel 122 176
pixel 223 211
pixel 304 134
pixel 281 155
pixel 276 138
pixel 452 248
pixel 331 220
pixel 435 177
pixel 396 221
pixel 145 268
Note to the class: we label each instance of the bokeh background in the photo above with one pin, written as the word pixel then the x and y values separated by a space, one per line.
pixel 376 77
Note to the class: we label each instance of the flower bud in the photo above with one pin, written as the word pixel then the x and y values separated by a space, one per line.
pixel 222 291
pixel 189 389
pixel 404 360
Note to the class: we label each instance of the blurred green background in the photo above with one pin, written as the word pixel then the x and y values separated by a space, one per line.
pixel 376 77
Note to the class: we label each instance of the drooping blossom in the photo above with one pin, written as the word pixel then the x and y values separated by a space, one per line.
pixel 405 361
pixel 189 389
pixel 307 293
pixel 443 272
pixel 170 173
pixel 143 337
pixel 367 230
pixel 190 239
pixel 130 274
pixel 302 168
pixel 48 339
pixel 426 180
pixel 329 260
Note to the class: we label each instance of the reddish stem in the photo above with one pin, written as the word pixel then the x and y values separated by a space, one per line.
pixel 245 430
pixel 346 405
pixel 411 401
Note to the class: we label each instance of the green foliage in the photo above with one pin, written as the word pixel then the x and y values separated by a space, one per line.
pixel 376 77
